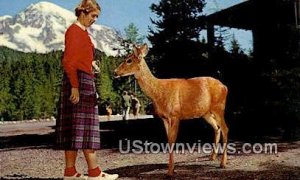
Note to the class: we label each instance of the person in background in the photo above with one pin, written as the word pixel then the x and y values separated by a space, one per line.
pixel 126 103
pixel 135 105
pixel 77 125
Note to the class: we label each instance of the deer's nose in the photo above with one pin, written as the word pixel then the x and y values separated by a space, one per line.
pixel 116 74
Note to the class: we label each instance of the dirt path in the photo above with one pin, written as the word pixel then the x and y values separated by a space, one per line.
pixel 27 153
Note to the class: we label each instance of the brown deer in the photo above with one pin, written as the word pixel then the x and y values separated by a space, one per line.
pixel 179 99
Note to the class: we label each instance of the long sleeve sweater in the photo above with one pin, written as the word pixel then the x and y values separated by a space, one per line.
pixel 78 54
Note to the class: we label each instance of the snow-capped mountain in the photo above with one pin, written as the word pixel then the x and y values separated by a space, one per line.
pixel 40 28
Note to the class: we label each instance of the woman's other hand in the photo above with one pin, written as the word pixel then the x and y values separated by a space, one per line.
pixel 74 98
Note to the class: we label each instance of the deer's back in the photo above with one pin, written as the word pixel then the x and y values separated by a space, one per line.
pixel 194 97
pixel 189 98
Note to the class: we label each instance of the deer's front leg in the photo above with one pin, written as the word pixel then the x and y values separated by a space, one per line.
pixel 172 131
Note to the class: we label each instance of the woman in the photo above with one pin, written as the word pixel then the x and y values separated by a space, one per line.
pixel 78 124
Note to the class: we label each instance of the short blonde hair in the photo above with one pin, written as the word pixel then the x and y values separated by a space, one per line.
pixel 87 6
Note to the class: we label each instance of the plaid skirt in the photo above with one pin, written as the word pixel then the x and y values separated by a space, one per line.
pixel 77 125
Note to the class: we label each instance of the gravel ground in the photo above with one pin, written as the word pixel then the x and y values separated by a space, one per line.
pixel 26 154
pixel 42 163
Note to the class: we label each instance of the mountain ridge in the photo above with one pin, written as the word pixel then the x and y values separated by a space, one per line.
pixel 40 28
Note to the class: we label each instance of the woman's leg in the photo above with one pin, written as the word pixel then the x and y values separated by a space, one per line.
pixel 70 158
pixel 93 169
pixel 91 158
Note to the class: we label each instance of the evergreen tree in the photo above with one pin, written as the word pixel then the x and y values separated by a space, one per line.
pixel 221 36
pixel 132 34
pixel 176 41
pixel 133 37
pixel 106 77
pixel 29 85
pixel 105 82
pixel 235 47
pixel 6 103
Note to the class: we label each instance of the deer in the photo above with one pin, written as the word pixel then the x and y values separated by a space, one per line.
pixel 178 99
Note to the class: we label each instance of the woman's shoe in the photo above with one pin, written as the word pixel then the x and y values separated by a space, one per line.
pixel 76 176
pixel 104 176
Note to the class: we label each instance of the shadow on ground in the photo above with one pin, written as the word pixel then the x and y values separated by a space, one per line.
pixel 158 171
pixel 151 130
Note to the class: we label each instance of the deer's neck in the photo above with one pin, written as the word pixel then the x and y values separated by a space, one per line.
pixel 148 83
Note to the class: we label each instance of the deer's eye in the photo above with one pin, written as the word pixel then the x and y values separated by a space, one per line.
pixel 129 61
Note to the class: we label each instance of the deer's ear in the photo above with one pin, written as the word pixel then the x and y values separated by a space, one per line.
pixel 144 50
pixel 135 51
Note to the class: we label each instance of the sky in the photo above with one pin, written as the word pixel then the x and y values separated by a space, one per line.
pixel 118 14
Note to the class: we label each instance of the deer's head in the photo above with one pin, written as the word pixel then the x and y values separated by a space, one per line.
pixel 132 63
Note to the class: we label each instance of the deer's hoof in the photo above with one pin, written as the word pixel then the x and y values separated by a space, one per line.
pixel 222 166
pixel 213 157
pixel 170 173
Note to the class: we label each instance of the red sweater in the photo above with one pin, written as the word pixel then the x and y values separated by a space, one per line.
pixel 79 53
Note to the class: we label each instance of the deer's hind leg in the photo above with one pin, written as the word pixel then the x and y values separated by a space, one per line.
pixel 211 119
pixel 219 116
pixel 224 130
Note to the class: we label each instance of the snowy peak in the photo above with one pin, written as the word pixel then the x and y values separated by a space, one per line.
pixel 49 8
pixel 35 14
pixel 3 18
pixel 40 28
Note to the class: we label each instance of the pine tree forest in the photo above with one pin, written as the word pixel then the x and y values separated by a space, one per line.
pixel 30 84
